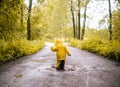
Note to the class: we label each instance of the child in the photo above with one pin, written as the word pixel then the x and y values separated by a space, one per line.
pixel 61 52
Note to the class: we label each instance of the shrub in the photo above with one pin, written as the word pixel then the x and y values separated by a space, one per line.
pixel 17 48
pixel 74 42
pixel 109 49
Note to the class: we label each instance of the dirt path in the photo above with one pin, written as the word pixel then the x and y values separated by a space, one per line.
pixel 83 69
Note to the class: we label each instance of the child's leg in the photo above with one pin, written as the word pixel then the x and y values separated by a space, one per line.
pixel 62 64
pixel 58 64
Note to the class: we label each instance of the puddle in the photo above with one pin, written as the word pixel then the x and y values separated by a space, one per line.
pixel 52 68
pixel 44 55
pixel 47 68
pixel 44 60
pixel 17 75
pixel 117 65
pixel 72 68
pixel 38 60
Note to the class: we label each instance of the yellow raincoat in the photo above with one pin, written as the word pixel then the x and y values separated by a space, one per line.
pixel 61 51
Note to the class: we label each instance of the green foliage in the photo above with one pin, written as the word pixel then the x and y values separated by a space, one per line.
pixel 75 42
pixel 13 22
pixel 56 17
pixel 10 19
pixel 94 33
pixel 116 25
pixel 37 23
pixel 15 49
pixel 108 49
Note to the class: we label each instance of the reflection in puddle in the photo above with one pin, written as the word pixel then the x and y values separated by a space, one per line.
pixel 43 61
pixel 17 75
pixel 67 68
pixel 73 68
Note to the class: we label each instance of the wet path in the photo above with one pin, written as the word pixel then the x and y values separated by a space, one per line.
pixel 83 69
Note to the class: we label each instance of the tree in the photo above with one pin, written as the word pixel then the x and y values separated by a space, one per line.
pixel 0 1
pixel 9 19
pixel 84 22
pixel 79 24
pixel 28 21
pixel 21 8
pixel 56 18
pixel 119 1
pixel 73 18
pixel 37 23
pixel 110 20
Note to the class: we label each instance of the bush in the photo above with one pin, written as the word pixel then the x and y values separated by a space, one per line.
pixel 15 49
pixel 74 42
pixel 108 49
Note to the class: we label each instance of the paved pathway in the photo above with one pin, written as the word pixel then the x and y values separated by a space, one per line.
pixel 83 69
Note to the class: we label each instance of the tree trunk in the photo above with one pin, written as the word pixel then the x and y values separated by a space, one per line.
pixel 84 24
pixel 76 29
pixel 21 14
pixel 110 24
pixel 119 1
pixel 73 18
pixel 28 21
pixel 79 19
pixel 0 1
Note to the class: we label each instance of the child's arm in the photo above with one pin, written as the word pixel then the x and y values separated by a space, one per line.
pixel 68 53
pixel 53 48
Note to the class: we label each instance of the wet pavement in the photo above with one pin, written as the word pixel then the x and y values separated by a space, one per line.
pixel 82 69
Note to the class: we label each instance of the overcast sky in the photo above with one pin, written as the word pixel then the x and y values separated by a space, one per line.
pixel 97 9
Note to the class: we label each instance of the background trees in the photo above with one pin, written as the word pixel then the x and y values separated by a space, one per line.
pixel 103 41
pixel 50 19
pixel 56 18
pixel 116 25
pixel 10 19
pixel 13 31
pixel 77 16
pixel 27 22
